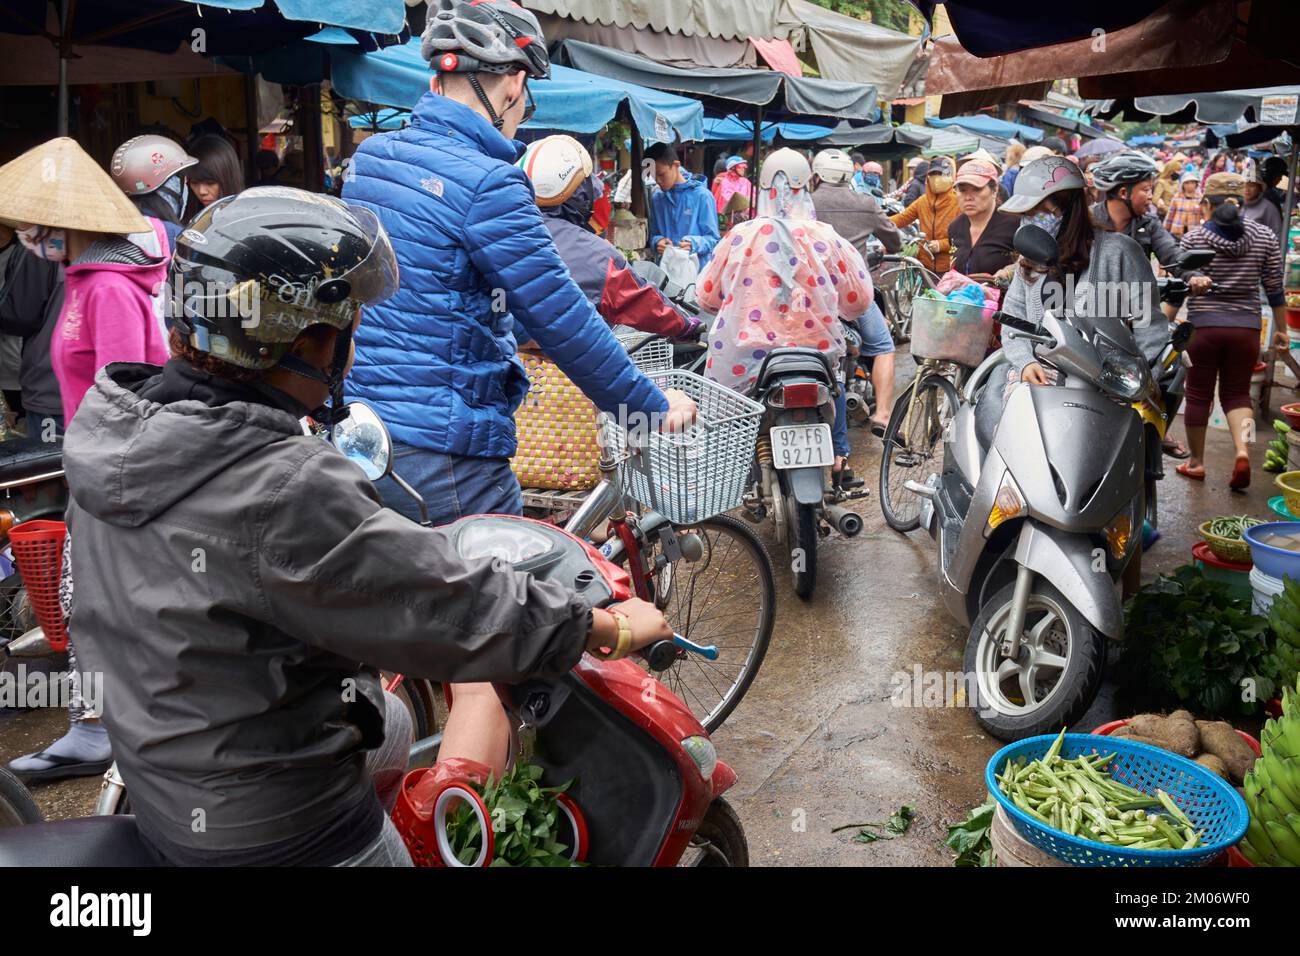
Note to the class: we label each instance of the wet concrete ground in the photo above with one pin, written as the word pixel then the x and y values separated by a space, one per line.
pixel 817 742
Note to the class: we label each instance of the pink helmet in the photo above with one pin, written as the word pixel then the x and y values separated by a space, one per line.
pixel 873 167
pixel 143 163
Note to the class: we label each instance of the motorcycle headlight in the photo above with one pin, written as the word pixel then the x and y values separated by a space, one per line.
pixel 702 751
pixel 1124 376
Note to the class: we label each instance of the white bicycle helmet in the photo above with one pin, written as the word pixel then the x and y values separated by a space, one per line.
pixel 484 36
pixel 785 160
pixel 557 165
pixel 831 166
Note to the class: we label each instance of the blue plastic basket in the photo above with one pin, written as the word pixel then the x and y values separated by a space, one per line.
pixel 1209 801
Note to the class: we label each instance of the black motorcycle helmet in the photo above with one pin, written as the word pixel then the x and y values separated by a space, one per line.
pixel 252 271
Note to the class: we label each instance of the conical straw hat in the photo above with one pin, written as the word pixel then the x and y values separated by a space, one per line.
pixel 58 184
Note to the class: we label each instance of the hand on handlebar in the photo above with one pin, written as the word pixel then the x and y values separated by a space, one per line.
pixel 681 412
pixel 1199 285
pixel 647 622
pixel 1033 374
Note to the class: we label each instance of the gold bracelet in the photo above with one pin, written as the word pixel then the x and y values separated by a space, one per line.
pixel 624 637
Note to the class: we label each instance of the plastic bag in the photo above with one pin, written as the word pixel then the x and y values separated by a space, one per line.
pixel 683 267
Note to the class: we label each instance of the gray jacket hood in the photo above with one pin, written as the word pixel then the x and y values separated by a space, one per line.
pixel 129 459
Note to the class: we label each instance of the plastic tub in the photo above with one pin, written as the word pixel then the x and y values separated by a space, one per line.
pixel 1270 560
pixel 1263 588
pixel 1235 576
pixel 1277 505
pixel 950 331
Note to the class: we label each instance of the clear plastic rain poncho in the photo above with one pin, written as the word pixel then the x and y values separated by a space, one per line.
pixel 780 280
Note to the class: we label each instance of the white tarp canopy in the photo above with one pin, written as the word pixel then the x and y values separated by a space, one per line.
pixel 850 49
pixel 727 21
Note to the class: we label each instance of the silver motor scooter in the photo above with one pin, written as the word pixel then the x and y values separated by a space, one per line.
pixel 1037 522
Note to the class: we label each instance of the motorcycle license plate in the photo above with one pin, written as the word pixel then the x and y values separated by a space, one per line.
pixel 801 446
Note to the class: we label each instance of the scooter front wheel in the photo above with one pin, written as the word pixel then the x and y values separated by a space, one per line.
pixel 720 840
pixel 1053 679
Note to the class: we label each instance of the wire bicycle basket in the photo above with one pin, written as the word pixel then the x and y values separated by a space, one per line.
pixel 693 475
pixel 648 352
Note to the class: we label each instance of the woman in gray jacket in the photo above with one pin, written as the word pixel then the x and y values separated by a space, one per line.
pixel 238 583
pixel 1101 279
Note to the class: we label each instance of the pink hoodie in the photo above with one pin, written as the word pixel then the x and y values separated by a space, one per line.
pixel 109 315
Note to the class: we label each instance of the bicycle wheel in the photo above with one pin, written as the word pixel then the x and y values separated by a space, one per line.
pixel 17 807
pixel 727 598
pixel 914 447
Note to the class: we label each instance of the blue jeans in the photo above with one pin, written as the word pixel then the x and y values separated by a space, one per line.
pixel 452 486
pixel 874 330
pixel 840 427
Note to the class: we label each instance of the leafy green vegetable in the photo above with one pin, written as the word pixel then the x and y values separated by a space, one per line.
pixel 970 838
pixel 1189 640
pixel 525 817
pixel 899 822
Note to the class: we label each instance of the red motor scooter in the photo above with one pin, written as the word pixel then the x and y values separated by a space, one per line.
pixel 647 780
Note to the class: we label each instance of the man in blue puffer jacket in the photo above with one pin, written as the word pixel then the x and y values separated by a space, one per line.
pixel 683 211
pixel 437 360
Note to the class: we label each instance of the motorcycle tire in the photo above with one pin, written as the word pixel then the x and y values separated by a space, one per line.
pixel 721 837
pixel 418 697
pixel 803 551
pixel 1075 688
pixel 17 808
pixel 902 508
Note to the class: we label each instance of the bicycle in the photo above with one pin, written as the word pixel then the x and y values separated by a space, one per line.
pixel 917 425
pixel 899 287
pixel 659 504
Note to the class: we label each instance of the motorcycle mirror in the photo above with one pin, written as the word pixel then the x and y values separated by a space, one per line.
pixel 1036 244
pixel 363 438
pixel 1197 258
pixel 1182 335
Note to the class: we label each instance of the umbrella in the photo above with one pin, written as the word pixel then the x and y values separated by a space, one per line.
pixel 1099 147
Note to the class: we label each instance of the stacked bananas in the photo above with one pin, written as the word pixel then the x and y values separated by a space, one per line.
pixel 1275 459
pixel 1273 791
pixel 1284 619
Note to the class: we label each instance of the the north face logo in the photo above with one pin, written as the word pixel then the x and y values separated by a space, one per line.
pixel 432 185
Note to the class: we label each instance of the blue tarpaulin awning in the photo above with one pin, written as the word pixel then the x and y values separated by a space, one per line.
pixel 989 126
pixel 570 100
pixel 381 119
pixel 733 129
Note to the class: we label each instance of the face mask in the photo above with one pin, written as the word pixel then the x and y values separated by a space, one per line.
pixel 45 242
pixel 1049 222
pixel 871 179
pixel 941 184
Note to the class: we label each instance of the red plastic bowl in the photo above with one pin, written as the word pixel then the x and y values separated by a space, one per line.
pixel 1235 859
pixel 1105 730
pixel 1291 413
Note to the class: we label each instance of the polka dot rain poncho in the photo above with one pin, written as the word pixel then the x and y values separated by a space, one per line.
pixel 778 282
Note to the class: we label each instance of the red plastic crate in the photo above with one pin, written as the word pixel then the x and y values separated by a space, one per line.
pixel 38 552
